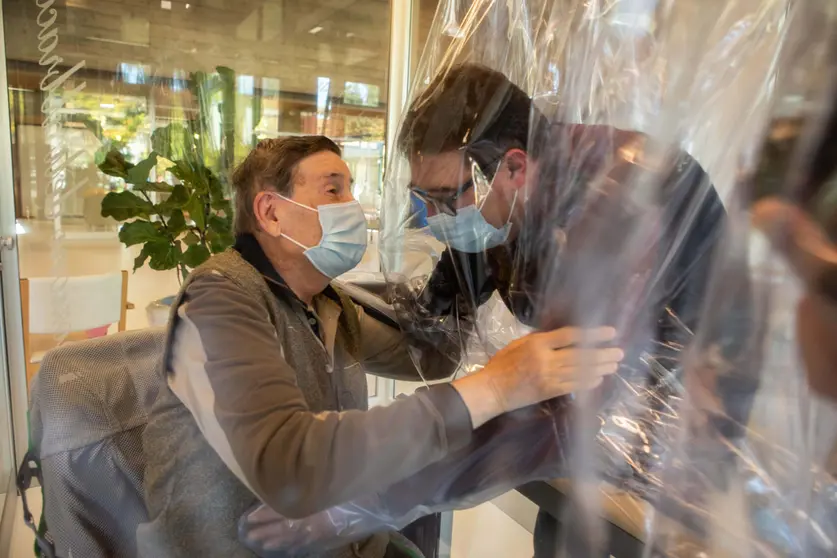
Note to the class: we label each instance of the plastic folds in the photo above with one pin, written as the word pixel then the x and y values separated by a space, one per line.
pixel 563 164
pixel 514 448
pixel 771 491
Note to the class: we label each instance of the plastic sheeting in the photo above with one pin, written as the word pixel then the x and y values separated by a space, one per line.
pixel 770 491
pixel 592 209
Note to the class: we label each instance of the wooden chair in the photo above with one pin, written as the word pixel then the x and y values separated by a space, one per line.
pixel 70 306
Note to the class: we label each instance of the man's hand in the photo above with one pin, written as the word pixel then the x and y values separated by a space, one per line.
pixel 538 367
pixel 814 258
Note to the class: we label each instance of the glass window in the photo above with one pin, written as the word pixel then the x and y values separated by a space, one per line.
pixel 6 454
pixel 206 78
pixel 202 81
pixel 424 12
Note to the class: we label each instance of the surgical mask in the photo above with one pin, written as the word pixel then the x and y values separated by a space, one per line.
pixel 343 242
pixel 468 231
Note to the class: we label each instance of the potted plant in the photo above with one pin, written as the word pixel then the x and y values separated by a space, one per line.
pixel 178 225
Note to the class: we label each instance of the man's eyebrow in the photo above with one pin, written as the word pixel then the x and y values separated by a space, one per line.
pixel 331 175
pixel 433 189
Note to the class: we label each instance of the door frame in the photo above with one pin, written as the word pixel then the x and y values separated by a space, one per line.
pixel 12 369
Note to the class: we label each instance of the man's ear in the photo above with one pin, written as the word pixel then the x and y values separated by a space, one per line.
pixel 265 210
pixel 516 162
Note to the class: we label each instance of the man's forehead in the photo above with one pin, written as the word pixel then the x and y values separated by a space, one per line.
pixel 442 169
pixel 325 165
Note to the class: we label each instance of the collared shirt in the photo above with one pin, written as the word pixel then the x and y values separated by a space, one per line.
pixel 252 252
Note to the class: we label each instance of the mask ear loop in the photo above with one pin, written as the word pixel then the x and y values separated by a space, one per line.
pixel 513 205
pixel 295 202
pixel 477 177
pixel 301 245
pixel 491 189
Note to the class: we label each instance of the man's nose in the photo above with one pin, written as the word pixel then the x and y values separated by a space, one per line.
pixel 431 209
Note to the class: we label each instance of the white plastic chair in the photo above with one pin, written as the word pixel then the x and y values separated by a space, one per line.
pixel 67 305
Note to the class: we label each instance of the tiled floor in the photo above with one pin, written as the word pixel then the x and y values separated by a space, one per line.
pixel 483 532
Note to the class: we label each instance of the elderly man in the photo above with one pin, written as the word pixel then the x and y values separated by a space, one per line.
pixel 265 368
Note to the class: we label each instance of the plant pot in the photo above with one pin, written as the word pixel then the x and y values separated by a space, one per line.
pixel 157 311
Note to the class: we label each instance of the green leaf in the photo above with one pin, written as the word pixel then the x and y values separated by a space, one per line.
pixel 181 170
pixel 191 239
pixel 227 74
pixel 218 195
pixel 195 207
pixel 138 174
pixel 216 188
pixel 139 261
pixel 139 232
pixel 177 223
pixel 172 141
pixel 114 164
pixel 195 176
pixel 219 233
pixel 219 242
pixel 125 205
pixel 177 200
pixel 179 195
pixel 222 206
pixel 153 187
pixel 221 225
pixel 164 255
pixel 195 255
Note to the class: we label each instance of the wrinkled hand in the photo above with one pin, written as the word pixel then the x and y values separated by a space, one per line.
pixel 812 257
pixel 268 533
pixel 538 367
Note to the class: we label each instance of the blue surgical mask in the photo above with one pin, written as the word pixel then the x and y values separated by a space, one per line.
pixel 468 231
pixel 343 242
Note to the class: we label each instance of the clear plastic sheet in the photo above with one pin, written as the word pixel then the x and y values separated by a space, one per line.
pixel 444 297
pixel 771 491
pixel 650 226
pixel 436 292
pixel 604 215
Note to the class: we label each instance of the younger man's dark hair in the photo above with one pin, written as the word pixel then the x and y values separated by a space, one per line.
pixel 468 105
pixel 271 166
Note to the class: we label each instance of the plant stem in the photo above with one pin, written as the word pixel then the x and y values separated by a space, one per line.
pixel 181 269
pixel 160 215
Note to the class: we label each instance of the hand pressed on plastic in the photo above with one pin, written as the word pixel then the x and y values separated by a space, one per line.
pixel 814 258
pixel 538 367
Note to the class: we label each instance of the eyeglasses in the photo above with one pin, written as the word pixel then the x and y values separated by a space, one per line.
pixel 446 202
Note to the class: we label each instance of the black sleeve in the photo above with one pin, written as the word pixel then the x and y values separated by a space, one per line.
pixel 460 282
pixel 697 220
pixel 439 316
pixel 709 299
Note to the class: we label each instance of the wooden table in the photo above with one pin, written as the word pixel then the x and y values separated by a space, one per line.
pixel 627 516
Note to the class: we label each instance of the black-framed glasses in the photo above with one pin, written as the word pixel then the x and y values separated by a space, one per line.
pixel 446 202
